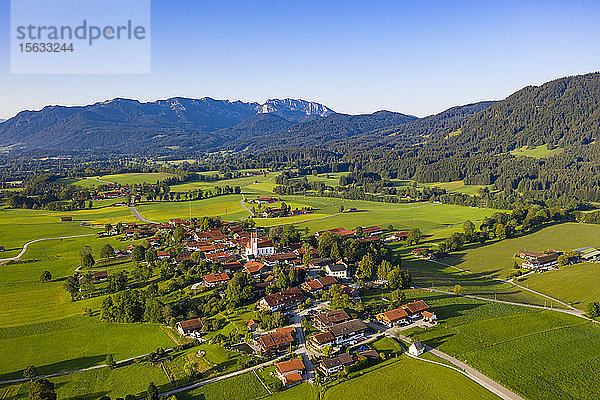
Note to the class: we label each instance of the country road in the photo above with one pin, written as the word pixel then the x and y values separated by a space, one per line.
pixel 137 214
pixel 511 282
pixel 11 381
pixel 246 208
pixel 24 249
pixel 459 366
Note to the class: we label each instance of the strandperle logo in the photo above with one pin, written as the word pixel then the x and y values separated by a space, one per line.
pixel 85 31
pixel 80 36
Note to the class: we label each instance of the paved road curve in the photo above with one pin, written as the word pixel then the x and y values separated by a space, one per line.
pixel 24 249
pixel 137 214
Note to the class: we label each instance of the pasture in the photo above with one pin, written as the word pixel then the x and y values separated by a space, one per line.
pixel 408 378
pixel 241 387
pixel 541 151
pixel 134 178
pixel 497 258
pixel 577 284
pixel 539 354
pixel 227 207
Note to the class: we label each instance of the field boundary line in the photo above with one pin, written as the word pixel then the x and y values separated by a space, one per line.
pixel 261 381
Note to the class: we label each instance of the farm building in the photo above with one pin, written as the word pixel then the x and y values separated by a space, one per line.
pixel 338 270
pixel 588 253
pixel 417 348
pixel 189 326
pixel 393 317
pixel 216 279
pixel 319 284
pixel 324 320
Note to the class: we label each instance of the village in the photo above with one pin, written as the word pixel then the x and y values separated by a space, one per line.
pixel 316 339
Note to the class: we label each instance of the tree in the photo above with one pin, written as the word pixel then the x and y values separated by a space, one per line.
pixel 71 285
pixel 593 310
pixel 468 228
pixel 366 267
pixel 88 261
pixel 138 253
pixel 30 372
pixel 414 236
pixel 108 227
pixel 46 276
pixel 563 260
pixel 107 251
pixel 399 278
pixel 41 389
pixel 110 362
pixel 152 392
pixel 457 290
pixel 383 270
pixel 335 252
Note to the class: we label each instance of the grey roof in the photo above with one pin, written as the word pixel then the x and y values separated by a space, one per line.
pixel 342 359
pixel 337 267
pixel 347 328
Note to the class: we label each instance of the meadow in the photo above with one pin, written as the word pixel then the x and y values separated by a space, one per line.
pixel 538 354
pixel 578 284
pixel 497 258
pixel 408 378
pixel 228 207
pixel 133 178
pixel 536 152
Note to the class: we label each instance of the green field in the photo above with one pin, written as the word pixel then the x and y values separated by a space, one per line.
pixel 496 259
pixel 240 387
pixel 456 187
pixel 577 284
pixel 228 207
pixel 538 354
pixel 133 178
pixel 536 152
pixel 409 379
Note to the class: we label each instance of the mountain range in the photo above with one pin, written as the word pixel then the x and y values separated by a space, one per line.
pixel 564 112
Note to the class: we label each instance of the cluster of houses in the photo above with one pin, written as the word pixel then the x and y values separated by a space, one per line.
pixel 407 314
pixel 271 212
pixel 549 259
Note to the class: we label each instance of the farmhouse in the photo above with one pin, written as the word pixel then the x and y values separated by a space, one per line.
pixel 397 316
pixel 280 300
pixel 66 219
pixel 528 255
pixel 255 268
pixel 266 200
pixel 100 276
pixel 216 279
pixel 320 262
pixel 372 230
pixel 335 364
pixel 398 236
pixel 189 326
pixel 542 262
pixel 290 371
pixel 349 331
pixel 324 320
pixel 319 284
pixel 338 270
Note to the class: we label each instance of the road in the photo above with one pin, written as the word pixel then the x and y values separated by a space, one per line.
pixel 574 312
pixel 511 282
pixel 461 367
pixel 246 208
pixel 220 378
pixel 137 214
pixel 75 370
pixel 24 249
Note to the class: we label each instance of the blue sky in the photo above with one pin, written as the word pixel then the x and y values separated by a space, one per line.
pixel 355 57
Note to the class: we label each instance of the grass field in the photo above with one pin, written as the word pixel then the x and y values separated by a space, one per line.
pixel 577 284
pixel 240 387
pixel 456 187
pixel 497 259
pixel 409 379
pixel 539 354
pixel 536 152
pixel 123 179
pixel 228 207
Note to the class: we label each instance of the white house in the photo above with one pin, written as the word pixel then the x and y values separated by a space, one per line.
pixel 338 270
pixel 417 348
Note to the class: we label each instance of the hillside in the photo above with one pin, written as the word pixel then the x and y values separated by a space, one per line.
pixel 129 125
